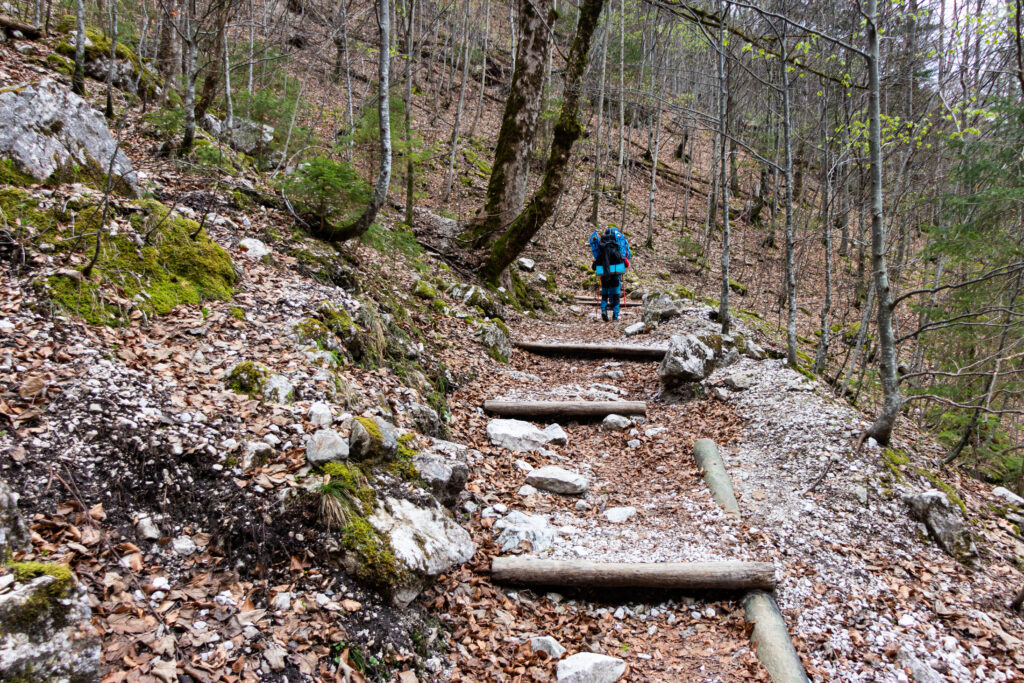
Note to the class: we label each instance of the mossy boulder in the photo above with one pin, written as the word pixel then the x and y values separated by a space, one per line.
pixel 129 72
pixel 361 334
pixel 248 377
pixel 424 290
pixel 373 439
pixel 496 341
pixel 476 297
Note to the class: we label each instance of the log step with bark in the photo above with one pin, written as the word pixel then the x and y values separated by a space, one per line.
pixel 574 350
pixel 574 410
pixel 691 576
pixel 589 300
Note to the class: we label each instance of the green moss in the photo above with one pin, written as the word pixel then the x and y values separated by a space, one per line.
pixel 805 372
pixel 348 483
pixel 403 466
pixel 497 355
pixel 97 46
pixel 377 565
pixel 248 377
pixel 424 290
pixel 11 175
pixel 60 64
pixel 237 313
pixel 713 342
pixel 950 492
pixel 894 459
pixel 172 269
pixel 311 330
pixel 45 601
pixel 738 287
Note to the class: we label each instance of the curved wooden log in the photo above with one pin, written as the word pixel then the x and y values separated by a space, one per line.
pixel 694 576
pixel 705 452
pixel 565 409
pixel 10 24
pixel 771 639
pixel 621 351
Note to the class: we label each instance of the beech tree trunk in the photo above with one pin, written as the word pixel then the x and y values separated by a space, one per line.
pixel 723 125
pixel 568 129
pixel 506 188
pixel 78 78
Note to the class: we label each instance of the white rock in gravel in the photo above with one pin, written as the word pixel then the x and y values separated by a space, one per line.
pixel 919 671
pixel 527 490
pixel 558 480
pixel 518 526
pixel 633 443
pixel 548 645
pixel 944 522
pixel 589 667
pixel 277 388
pixel 253 248
pixel 861 494
pixel 517 435
pixel 147 529
pixel 634 329
pixel 320 414
pixel 655 431
pixel 523 465
pixel 687 360
pixel 526 264
pixel 326 445
pixel 183 545
pixel 740 381
pixel 620 514
pixel 255 452
pixel 907 620
pixel 615 423
pixel 754 351
pixel 1008 496
pixel 556 435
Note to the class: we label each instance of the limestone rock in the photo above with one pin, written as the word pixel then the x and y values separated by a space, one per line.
pixel 659 306
pixel 526 264
pixel 589 667
pixel 548 645
pixel 373 438
pixel 278 388
pixel 752 350
pixel 14 534
pixel 557 480
pixel 146 529
pixel 446 475
pixel 687 360
pixel 496 341
pixel 740 381
pixel 556 435
pixel 620 514
pixel 46 129
pixel 517 527
pixel 427 420
pixel 248 137
pixel 919 671
pixel 254 248
pixel 472 295
pixel 256 453
pixel 944 522
pixel 320 414
pixel 616 423
pixel 518 436
pixel 45 633
pixel 326 445
pixel 635 329
pixel 426 542
pixel 1008 496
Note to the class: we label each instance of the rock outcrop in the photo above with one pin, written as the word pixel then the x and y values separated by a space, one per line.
pixel 944 522
pixel 53 135
pixel 687 360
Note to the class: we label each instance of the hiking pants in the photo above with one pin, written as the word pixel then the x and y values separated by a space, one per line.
pixel 611 288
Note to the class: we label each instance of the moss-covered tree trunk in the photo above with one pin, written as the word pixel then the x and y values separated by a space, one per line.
pixel 568 129
pixel 506 188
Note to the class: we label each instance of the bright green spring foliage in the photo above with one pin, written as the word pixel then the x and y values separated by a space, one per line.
pixel 327 191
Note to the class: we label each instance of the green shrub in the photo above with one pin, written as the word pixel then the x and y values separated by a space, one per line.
pixel 331 191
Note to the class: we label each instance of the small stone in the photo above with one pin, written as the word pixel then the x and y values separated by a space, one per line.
pixel 907 620
pixel 633 443
pixel 326 445
pixel 500 508
pixel 740 381
pixel 253 248
pixel 548 645
pixel 282 601
pixel 320 414
pixel 618 515
pixel 1008 496
pixel 582 505
pixel 523 465
pixel 526 490
pixel 615 423
pixel 861 493
pixel 556 435
pixel 526 264
pixel 634 329
pixel 590 667
pixel 183 545
pixel 147 529
pixel 655 431
pixel 558 480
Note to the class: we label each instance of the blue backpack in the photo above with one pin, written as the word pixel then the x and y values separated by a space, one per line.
pixel 610 252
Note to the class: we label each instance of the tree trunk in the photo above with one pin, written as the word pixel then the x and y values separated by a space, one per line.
pixel 410 55
pixel 213 76
pixel 483 69
pixel 108 111
pixel 723 132
pixel 596 182
pixel 787 127
pixel 168 56
pixel 458 110
pixel 702 576
pixel 882 428
pixel 508 247
pixel 191 33
pixel 507 185
pixel 821 357
pixel 78 78
pixel 622 101
pixel 380 189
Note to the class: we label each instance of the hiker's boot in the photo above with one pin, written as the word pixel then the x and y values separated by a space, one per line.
pixel 604 316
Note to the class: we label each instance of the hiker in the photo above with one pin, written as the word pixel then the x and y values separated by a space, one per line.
pixel 611 258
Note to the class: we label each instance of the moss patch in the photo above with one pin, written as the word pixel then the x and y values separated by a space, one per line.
pixel 310 330
pixel 248 377
pixel 10 174
pixel 171 269
pixel 45 601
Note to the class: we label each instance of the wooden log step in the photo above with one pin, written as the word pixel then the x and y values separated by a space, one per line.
pixel 565 409
pixel 693 576
pixel 621 351
pixel 592 301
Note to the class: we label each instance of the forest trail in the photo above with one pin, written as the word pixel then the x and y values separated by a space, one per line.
pixel 847 556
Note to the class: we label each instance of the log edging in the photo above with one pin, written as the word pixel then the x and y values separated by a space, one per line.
pixel 565 409
pixel 705 452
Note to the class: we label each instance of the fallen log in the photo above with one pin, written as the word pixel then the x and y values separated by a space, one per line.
pixel 565 409
pixel 625 351
pixel 771 639
pixel 594 301
pixel 705 452
pixel 10 25
pixel 693 576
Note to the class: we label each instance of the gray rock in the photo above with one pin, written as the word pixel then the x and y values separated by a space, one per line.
pixel 659 306
pixel 427 420
pixel 14 534
pixel 556 435
pixel 919 671
pixel 45 128
pixel 526 491
pixel 254 248
pixel 426 542
pixel 634 329
pixel 548 645
pixel 861 494
pixel 633 443
pixel 278 388
pixel 211 124
pixel 526 264
pixel 445 475
pixel 516 435
pixel 740 381
pixel 655 431
pixel 752 350
pixel 320 414
pixel 47 639
pixel 326 445
pixel 472 295
pixel 616 423
pixel 248 136
pixel 183 545
pixel 523 465
pixel 687 360
pixel 256 453
pixel 518 526
pixel 496 341
pixel 620 514
pixel 146 529
pixel 373 439
pixel 589 667
pixel 558 480
pixel 944 522
pixel 1008 496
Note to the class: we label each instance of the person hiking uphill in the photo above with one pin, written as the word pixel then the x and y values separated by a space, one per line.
pixel 611 258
